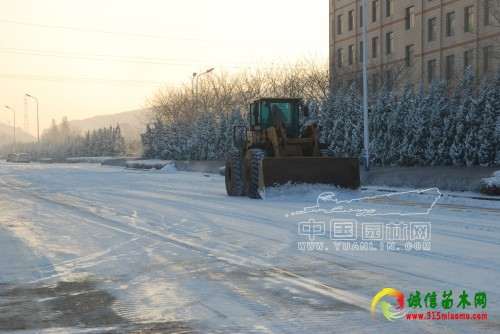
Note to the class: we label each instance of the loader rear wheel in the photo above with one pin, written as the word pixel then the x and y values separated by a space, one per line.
pixel 234 174
pixel 254 173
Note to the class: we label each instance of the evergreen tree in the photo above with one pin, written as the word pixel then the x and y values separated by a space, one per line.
pixel 438 113
pixel 463 104
pixel 487 137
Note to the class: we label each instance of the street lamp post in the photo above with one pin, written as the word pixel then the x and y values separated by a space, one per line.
pixel 14 116
pixel 37 118
pixel 193 78
pixel 196 78
pixel 365 85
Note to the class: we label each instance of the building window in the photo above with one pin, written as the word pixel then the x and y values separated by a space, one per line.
pixel 487 55
pixel 374 10
pixel 389 38
pixel 410 17
pixel 350 20
pixel 361 16
pixel 450 67
pixel 488 15
pixel 469 19
pixel 340 58
pixel 360 52
pixel 409 54
pixel 339 24
pixel 450 24
pixel 431 70
pixel 389 7
pixel 374 47
pixel 350 55
pixel 431 29
pixel 468 59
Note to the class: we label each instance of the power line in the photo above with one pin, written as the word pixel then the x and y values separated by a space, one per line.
pixel 135 35
pixel 80 79
pixel 127 59
pixel 98 57
pixel 99 31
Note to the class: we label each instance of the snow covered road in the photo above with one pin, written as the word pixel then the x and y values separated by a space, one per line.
pixel 103 249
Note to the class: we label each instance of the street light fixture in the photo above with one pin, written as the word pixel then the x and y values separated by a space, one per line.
pixel 37 118
pixel 14 116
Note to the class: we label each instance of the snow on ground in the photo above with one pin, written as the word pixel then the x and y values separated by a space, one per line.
pixel 169 168
pixel 111 249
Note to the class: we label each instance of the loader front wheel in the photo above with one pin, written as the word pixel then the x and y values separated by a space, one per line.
pixel 254 173
pixel 234 174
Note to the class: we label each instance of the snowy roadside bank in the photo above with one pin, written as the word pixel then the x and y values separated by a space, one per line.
pixel 107 160
pixel 146 164
pixel 448 178
pixel 211 167
pixel 92 160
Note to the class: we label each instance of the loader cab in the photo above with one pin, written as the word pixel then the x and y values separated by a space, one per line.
pixel 264 113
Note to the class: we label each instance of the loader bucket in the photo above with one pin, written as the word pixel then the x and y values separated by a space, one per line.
pixel 342 172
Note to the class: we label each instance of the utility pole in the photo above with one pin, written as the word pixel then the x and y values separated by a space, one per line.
pixel 37 118
pixel 193 78
pixel 26 116
pixel 14 116
pixel 366 140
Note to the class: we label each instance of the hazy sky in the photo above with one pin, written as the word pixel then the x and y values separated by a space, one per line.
pixel 88 57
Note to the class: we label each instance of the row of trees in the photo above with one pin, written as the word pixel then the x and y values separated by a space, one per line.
pixel 438 125
pixel 61 141
pixel 208 137
pixel 197 124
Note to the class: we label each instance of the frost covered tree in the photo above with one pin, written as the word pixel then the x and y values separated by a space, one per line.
pixel 489 103
pixel 463 103
pixel 437 109
pixel 379 127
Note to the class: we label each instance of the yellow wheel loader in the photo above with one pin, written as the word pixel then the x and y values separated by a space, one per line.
pixel 275 150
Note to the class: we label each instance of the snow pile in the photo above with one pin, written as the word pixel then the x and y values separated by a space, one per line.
pixel 491 185
pixel 147 164
pixel 169 168
pixel 91 160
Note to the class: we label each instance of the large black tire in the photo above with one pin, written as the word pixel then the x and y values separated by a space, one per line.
pixel 254 174
pixel 235 185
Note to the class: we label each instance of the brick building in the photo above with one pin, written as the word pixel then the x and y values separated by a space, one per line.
pixel 418 40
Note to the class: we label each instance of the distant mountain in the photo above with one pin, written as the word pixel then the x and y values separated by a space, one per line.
pixel 6 134
pixel 132 123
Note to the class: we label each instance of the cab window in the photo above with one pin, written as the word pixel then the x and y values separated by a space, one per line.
pixel 283 108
